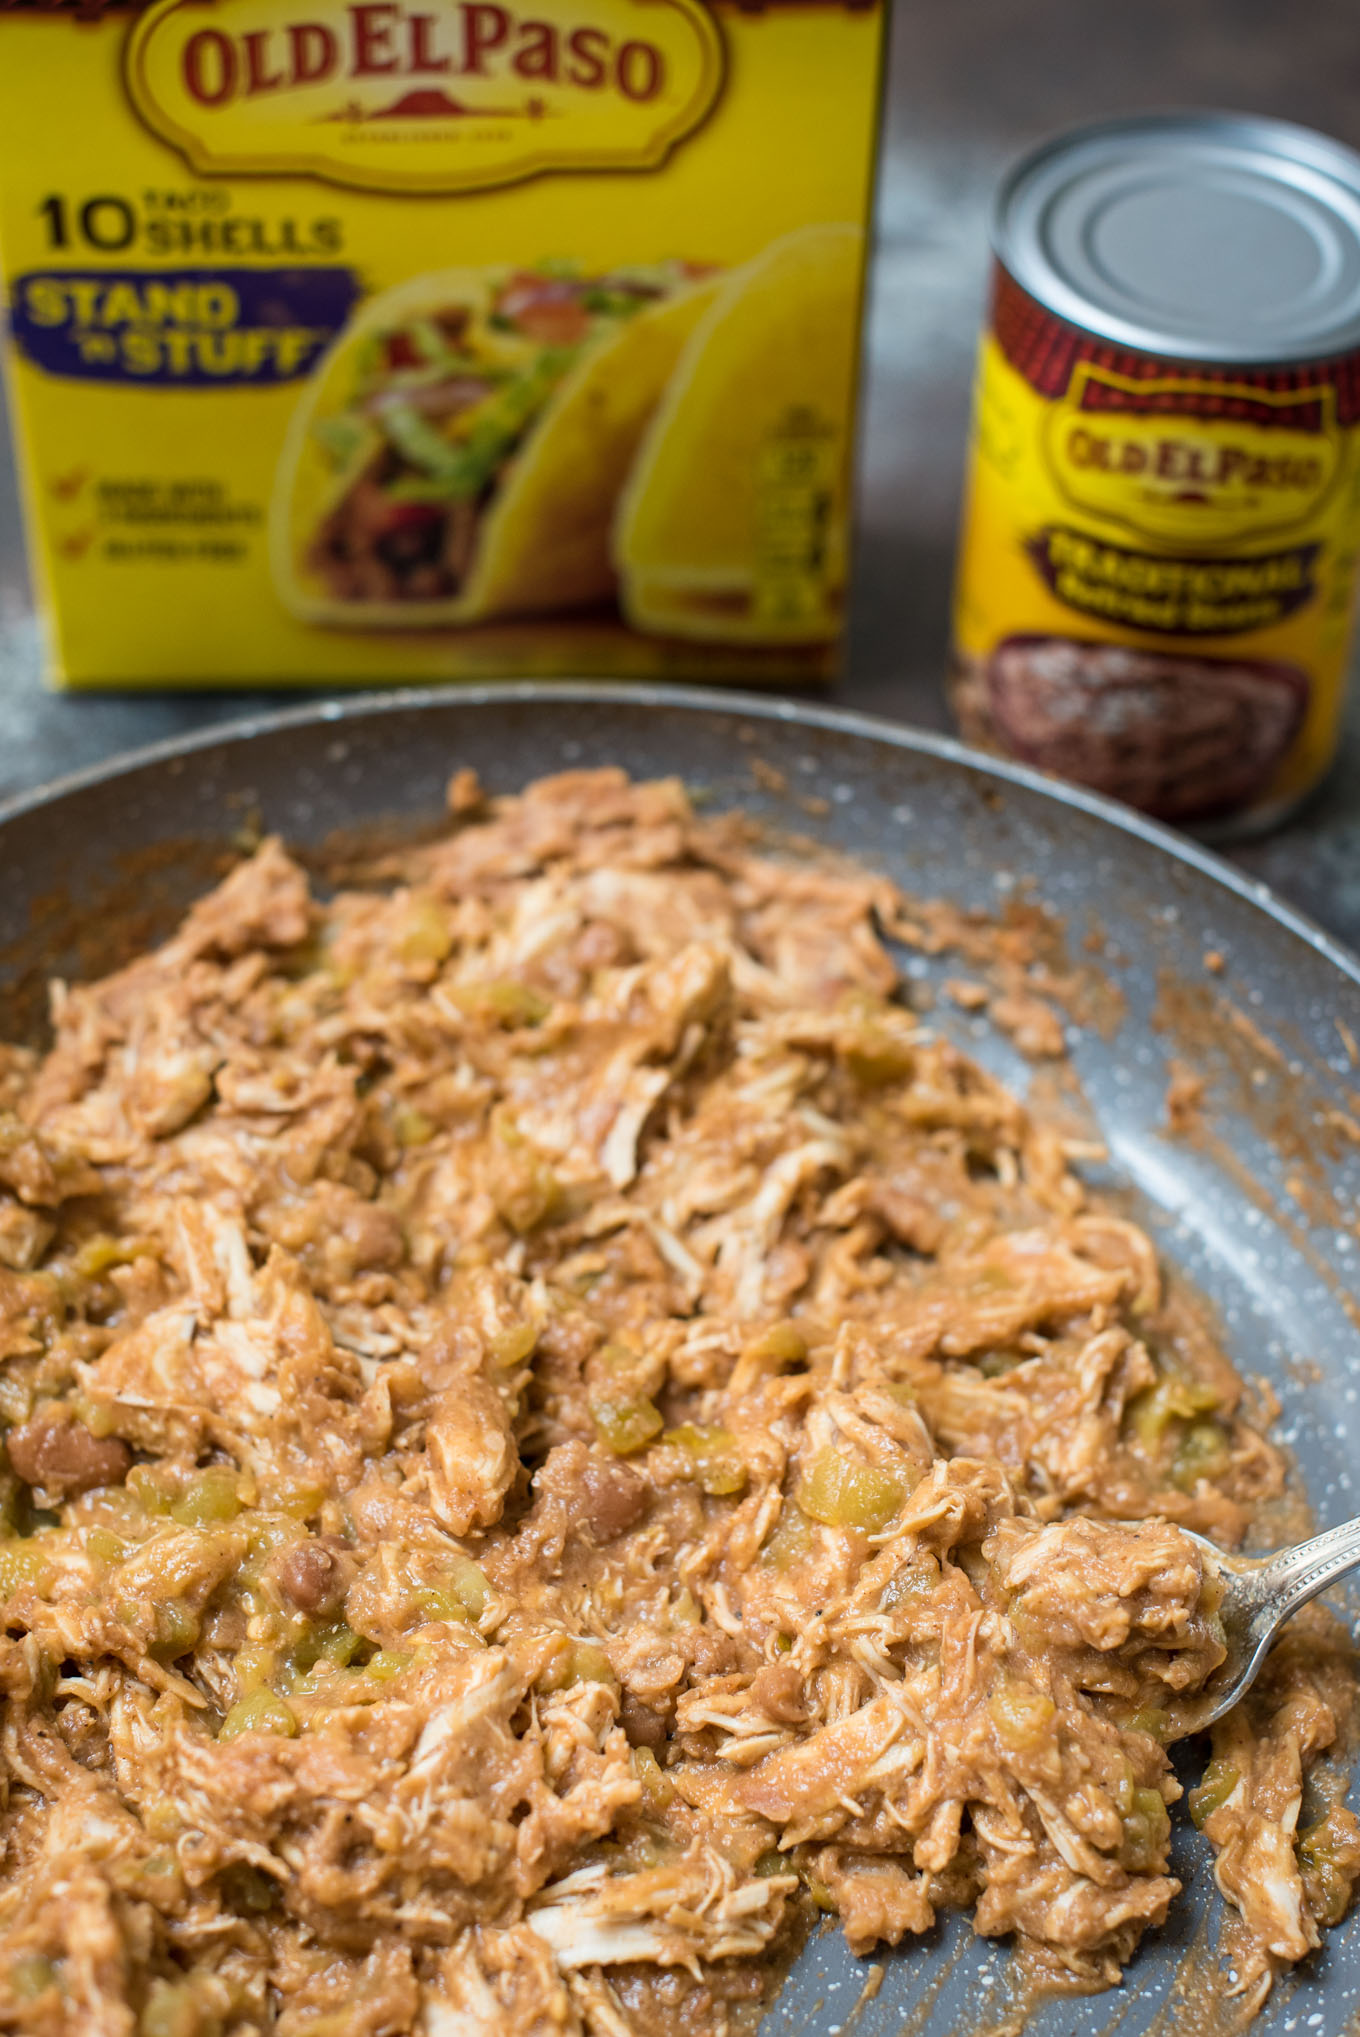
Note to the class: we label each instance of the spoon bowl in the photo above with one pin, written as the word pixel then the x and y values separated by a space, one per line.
pixel 1259 1594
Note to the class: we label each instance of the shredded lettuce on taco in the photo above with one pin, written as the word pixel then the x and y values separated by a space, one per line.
pixel 443 398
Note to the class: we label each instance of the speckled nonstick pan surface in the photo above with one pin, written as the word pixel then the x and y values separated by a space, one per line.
pixel 1262 1213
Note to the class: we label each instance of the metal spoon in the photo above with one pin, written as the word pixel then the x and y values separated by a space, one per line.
pixel 1259 1594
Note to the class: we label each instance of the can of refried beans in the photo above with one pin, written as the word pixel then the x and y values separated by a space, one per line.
pixel 1157 573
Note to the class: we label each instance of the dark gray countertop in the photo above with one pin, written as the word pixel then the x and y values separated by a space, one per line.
pixel 971 82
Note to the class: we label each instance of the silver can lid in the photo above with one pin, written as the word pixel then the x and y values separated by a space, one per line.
pixel 1201 236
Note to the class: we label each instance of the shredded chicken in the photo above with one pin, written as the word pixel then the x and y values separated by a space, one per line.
pixel 552 1431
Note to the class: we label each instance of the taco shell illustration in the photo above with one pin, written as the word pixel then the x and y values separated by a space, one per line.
pixel 733 523
pixel 461 450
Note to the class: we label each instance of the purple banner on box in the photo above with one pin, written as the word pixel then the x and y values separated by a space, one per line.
pixel 181 329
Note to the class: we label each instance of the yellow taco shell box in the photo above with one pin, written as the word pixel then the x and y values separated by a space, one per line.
pixel 384 343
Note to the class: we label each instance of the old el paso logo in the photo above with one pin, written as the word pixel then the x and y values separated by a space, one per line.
pixel 1174 476
pixel 452 95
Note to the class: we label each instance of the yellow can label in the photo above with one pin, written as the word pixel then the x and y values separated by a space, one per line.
pixel 1157 576
pixel 1208 480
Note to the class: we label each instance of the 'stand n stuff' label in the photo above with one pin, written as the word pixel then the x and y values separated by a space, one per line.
pixel 1158 568
pixel 184 328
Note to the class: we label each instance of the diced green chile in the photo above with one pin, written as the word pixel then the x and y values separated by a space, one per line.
pixel 1220 1780
pixel 626 1425
pixel 261 1712
pixel 459 471
pixel 843 1493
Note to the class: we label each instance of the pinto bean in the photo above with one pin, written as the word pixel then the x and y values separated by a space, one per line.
pixel 373 1233
pixel 588 1489
pixel 778 1690
pixel 644 1726
pixel 57 1454
pixel 615 1497
pixel 312 1576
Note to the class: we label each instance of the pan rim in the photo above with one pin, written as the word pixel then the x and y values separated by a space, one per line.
pixel 776 709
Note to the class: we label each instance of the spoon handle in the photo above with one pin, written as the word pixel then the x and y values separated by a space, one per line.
pixel 1285 1582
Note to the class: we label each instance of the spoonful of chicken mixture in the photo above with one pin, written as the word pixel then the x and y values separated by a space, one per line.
pixel 1194 1619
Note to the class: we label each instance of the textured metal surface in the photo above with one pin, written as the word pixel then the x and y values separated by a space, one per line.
pixel 1262 1215
pixel 1201 236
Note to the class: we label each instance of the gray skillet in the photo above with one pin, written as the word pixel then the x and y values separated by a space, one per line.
pixel 1262 1211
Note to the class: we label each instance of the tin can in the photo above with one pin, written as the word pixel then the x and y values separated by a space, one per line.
pixel 1157 573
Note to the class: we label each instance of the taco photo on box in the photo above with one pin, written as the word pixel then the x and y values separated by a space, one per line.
pixel 733 526
pixel 460 452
